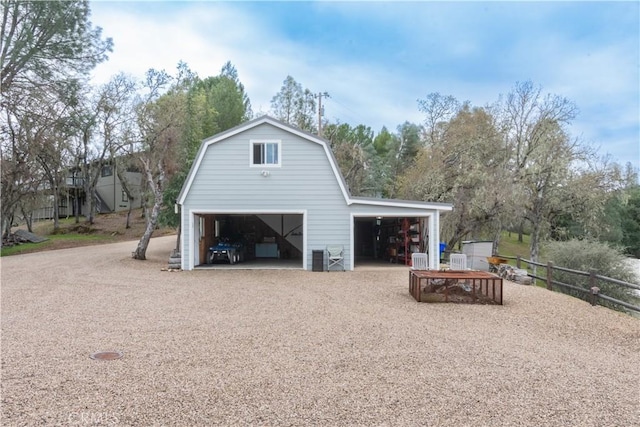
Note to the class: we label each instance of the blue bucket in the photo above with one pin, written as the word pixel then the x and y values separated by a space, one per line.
pixel 443 247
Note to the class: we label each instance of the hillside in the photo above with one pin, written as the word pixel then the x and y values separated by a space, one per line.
pixel 107 228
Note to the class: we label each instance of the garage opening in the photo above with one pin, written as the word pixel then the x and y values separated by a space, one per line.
pixel 257 241
pixel 388 240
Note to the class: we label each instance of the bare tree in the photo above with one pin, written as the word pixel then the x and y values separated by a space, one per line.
pixel 19 177
pixel 44 118
pixel 105 132
pixel 123 165
pixel 541 153
pixel 160 121
pixel 438 110
pixel 295 105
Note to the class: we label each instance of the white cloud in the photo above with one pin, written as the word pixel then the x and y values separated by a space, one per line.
pixel 475 53
pixel 204 36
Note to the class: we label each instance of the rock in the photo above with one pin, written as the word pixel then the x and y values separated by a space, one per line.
pixel 523 279
pixel 29 237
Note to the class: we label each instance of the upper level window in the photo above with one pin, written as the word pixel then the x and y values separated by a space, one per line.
pixel 107 170
pixel 265 153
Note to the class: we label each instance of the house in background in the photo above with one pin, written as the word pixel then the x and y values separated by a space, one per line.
pixel 278 191
pixel 110 194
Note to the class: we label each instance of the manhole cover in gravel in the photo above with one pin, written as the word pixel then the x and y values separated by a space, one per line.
pixel 106 355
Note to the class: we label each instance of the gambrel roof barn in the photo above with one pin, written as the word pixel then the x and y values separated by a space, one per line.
pixel 275 193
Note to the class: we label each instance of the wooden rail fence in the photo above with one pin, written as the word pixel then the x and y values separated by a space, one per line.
pixel 592 291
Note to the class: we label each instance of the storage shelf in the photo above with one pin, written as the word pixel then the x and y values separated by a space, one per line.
pixel 406 239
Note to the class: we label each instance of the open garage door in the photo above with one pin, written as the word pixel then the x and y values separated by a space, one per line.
pixel 389 240
pixel 250 241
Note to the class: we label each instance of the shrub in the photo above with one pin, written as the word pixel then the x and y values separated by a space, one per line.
pixel 587 255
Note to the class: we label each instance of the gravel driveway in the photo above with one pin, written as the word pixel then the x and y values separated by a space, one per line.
pixel 234 347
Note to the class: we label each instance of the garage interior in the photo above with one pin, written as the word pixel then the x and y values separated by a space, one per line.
pixel 265 241
pixel 388 240
pixel 258 240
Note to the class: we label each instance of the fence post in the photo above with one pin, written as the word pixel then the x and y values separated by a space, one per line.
pixel 592 278
pixel 592 285
pixel 594 294
pixel 549 275
pixel 518 262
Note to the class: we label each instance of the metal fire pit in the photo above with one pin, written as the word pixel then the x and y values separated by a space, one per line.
pixel 106 355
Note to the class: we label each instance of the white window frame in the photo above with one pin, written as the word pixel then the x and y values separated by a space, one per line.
pixel 107 170
pixel 255 142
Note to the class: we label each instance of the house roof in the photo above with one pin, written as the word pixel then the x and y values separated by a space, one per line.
pixel 312 138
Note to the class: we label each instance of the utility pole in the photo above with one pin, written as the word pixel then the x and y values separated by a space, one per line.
pixel 320 111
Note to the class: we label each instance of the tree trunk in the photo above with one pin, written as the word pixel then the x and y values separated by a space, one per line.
pixel 152 217
pixel 534 246
pixel 91 202
pixel 56 209
pixel 128 225
pixel 122 177
pixel 152 220
pixel 496 243
pixel 143 211
pixel 8 222
pixel 520 232
pixel 28 219
pixel 76 202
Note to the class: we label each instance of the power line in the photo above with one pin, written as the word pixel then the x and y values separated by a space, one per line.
pixel 356 117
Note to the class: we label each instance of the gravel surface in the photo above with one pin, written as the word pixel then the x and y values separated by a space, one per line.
pixel 237 347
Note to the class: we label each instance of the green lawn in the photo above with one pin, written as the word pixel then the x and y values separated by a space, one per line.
pixel 509 245
pixel 107 228
pixel 76 239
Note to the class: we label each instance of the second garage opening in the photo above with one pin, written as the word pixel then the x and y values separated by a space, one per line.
pixel 388 240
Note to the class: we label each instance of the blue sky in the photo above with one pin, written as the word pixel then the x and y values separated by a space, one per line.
pixel 376 59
